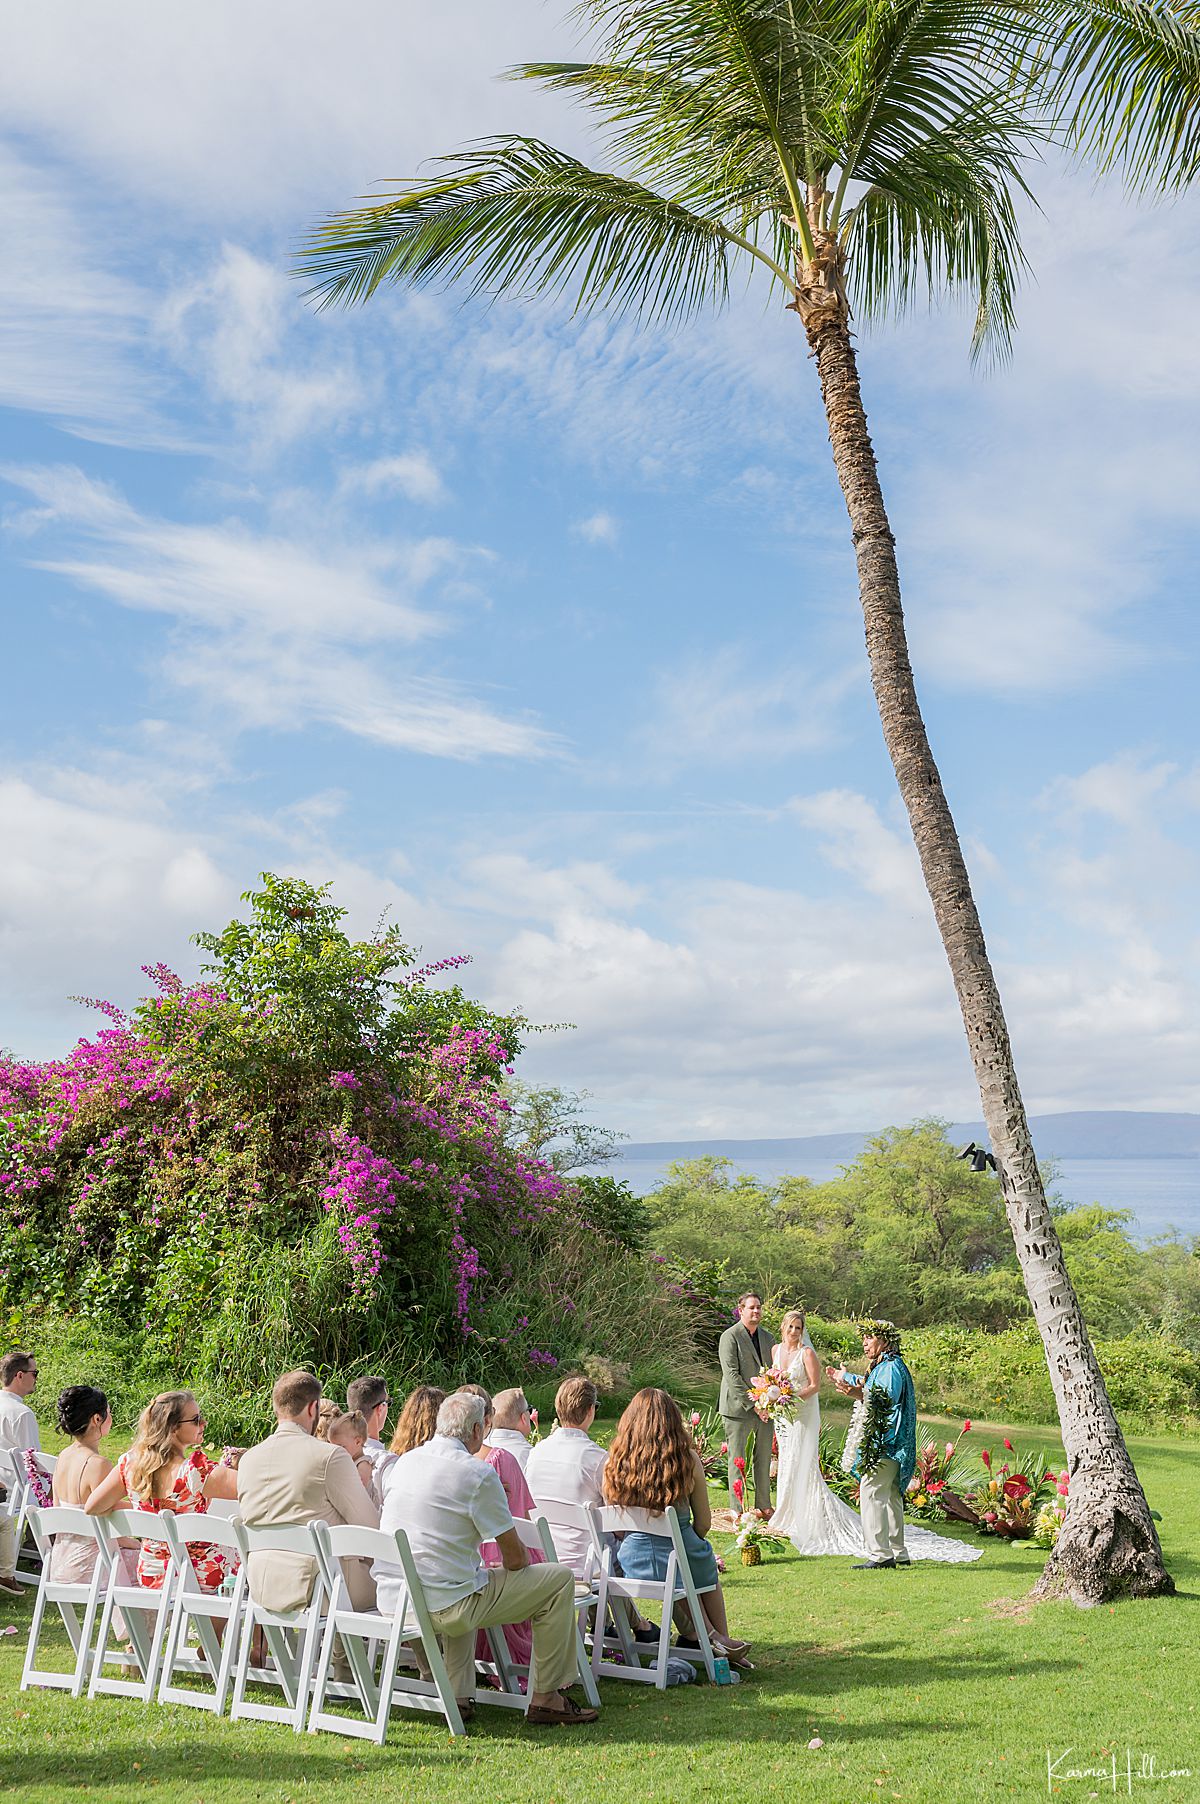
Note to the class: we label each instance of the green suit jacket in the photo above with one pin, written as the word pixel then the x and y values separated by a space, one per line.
pixel 740 1364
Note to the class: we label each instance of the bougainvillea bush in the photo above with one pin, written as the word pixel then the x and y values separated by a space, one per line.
pixel 301 1159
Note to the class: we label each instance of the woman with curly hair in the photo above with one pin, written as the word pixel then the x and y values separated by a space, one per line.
pixel 167 1469
pixel 652 1465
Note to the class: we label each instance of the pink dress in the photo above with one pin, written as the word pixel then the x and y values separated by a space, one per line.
pixel 187 1496
pixel 518 1635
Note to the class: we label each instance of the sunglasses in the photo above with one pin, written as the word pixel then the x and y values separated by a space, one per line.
pixel 191 1421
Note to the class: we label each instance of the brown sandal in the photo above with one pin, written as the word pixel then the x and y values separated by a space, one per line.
pixel 570 1716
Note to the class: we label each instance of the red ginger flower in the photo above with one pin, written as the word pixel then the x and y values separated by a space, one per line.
pixel 966 1428
pixel 986 1457
pixel 1008 1444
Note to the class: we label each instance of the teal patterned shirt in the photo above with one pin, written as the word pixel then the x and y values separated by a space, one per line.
pixel 900 1443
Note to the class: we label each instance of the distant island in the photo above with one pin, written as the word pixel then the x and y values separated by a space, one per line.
pixel 1077 1134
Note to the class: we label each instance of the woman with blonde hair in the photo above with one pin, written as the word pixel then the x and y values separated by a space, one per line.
pixel 653 1465
pixel 167 1469
pixel 418 1419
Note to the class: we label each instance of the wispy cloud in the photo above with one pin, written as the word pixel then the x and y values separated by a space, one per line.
pixel 275 627
pixel 720 708
pixel 412 474
pixel 597 529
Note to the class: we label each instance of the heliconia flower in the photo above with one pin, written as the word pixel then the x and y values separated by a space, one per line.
pixel 986 1457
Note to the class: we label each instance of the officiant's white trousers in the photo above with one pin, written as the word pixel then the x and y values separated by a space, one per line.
pixel 882 1509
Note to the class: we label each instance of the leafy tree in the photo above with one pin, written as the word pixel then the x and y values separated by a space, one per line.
pixel 549 1123
pixel 843 151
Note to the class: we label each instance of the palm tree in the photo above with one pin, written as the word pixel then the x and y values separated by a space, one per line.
pixel 852 153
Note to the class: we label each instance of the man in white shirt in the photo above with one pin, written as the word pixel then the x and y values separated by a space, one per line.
pixel 447 1501
pixel 567 1467
pixel 511 1425
pixel 18 1431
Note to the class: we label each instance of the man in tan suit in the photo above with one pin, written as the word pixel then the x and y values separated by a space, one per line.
pixel 290 1479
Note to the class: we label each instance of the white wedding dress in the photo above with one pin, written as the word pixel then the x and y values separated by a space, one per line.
pixel 813 1517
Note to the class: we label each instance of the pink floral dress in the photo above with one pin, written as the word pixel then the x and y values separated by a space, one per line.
pixel 186 1496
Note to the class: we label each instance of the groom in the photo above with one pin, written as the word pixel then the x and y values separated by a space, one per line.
pixel 745 1351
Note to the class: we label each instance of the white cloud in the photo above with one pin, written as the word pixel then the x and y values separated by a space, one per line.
pixel 715 708
pixel 70 330
pixel 597 529
pixel 274 625
pixel 408 473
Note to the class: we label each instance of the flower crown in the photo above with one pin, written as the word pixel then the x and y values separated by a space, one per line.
pixel 887 1331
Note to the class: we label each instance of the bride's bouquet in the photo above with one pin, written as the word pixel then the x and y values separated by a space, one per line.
pixel 775 1394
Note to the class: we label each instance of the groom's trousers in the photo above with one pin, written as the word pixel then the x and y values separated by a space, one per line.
pixel 738 1432
pixel 882 1508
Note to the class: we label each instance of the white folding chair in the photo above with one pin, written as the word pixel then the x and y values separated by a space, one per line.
pixel 361 1632
pixel 68 1598
pixel 545 1540
pixel 291 1635
pixel 146 1610
pixel 190 1604
pixel 21 1500
pixel 676 1585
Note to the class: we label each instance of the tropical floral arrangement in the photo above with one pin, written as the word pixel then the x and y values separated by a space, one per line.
pixel 774 1394
pixel 1008 1497
pixel 712 1449
pixel 754 1537
pixel 1049 1518
pixel 934 1489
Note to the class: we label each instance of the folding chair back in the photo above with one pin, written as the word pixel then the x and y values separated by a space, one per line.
pixel 291 1635
pixel 68 1597
pixel 144 1608
pixel 676 1585
pixel 360 1633
pixel 22 1499
pixel 190 1604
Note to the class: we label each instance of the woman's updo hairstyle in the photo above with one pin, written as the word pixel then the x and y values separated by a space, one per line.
pixel 77 1405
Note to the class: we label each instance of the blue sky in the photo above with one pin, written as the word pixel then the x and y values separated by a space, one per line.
pixel 543 633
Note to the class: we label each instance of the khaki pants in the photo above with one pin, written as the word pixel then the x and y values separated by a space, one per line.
pixel 8 1547
pixel 543 1595
pixel 738 1430
pixel 882 1510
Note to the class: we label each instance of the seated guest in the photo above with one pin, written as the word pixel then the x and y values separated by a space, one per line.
pixel 18 1433
pixel 567 1467
pixel 83 1413
pixel 292 1478
pixel 447 1501
pixel 652 1465
pixel 166 1468
pixel 369 1398
pixel 350 1431
pixel 512 1425
pixel 417 1422
pixel 327 1414
pixel 518 1635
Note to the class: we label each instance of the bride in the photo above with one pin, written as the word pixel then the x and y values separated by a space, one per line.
pixel 807 1511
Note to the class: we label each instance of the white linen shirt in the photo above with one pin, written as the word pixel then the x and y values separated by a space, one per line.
pixel 18 1424
pixel 512 1441
pixel 446 1502
pixel 567 1467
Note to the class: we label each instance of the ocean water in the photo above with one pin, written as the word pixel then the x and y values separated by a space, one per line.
pixel 1159 1193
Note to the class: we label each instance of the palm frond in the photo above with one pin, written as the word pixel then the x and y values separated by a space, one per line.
pixel 1125 81
pixel 519 217
pixel 943 216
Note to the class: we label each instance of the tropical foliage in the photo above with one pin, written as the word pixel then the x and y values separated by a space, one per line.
pixel 302 1158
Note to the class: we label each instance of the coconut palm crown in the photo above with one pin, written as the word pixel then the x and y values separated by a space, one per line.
pixel 855 155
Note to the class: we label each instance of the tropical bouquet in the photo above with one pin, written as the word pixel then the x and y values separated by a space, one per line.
pixel 775 1395
pixel 1049 1518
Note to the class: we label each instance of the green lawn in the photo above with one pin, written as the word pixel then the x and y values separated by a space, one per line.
pixel 937 1683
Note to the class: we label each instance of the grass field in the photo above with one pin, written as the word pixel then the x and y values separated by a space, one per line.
pixel 933 1684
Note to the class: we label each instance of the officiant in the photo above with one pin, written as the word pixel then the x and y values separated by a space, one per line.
pixel 745 1351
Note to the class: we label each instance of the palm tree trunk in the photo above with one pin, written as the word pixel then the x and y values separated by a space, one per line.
pixel 1108 1544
